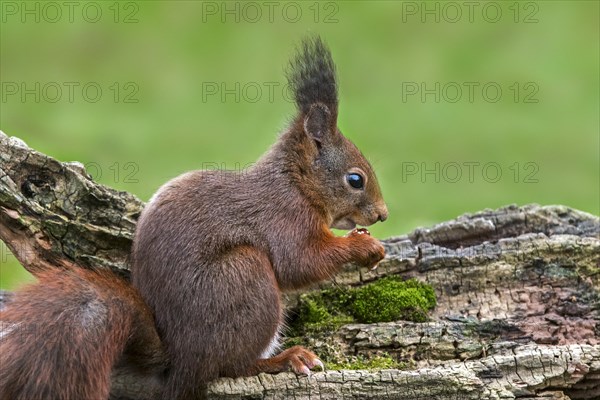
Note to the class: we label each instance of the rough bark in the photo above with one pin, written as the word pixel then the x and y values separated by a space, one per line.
pixel 54 214
pixel 518 292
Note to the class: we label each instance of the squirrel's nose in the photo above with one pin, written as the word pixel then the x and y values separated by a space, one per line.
pixel 383 213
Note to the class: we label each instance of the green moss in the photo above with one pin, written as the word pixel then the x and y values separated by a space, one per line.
pixel 392 299
pixel 314 311
pixel 385 300
pixel 317 314
pixel 320 314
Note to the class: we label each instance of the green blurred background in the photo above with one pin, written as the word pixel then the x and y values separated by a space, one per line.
pixel 187 84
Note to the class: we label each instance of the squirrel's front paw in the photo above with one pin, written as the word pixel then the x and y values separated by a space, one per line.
pixel 368 249
pixel 359 231
pixel 301 360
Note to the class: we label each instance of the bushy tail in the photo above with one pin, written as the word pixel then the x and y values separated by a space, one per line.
pixel 311 76
pixel 61 337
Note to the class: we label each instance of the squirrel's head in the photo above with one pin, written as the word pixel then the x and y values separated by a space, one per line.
pixel 333 174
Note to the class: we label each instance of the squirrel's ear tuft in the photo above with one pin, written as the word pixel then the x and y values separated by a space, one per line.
pixel 318 122
pixel 312 78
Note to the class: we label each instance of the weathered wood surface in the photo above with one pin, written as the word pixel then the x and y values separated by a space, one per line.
pixel 524 372
pixel 53 213
pixel 518 292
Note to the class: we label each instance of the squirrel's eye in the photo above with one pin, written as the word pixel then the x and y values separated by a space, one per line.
pixel 355 180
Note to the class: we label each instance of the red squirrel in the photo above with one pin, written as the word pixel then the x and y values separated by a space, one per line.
pixel 212 253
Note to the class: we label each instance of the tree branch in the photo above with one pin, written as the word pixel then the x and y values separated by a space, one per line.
pixel 52 213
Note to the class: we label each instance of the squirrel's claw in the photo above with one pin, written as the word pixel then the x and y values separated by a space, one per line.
pixel 304 370
pixel 301 360
pixel 320 364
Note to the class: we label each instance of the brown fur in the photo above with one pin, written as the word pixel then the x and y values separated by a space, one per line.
pixel 214 249
pixel 64 334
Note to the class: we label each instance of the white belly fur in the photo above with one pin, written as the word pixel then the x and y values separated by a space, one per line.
pixel 6 328
pixel 274 345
